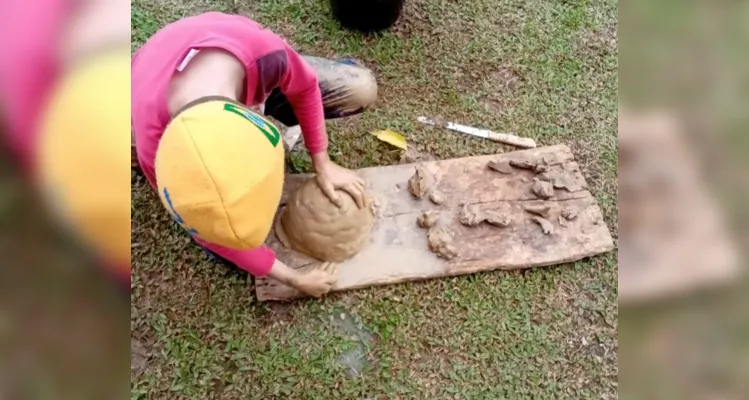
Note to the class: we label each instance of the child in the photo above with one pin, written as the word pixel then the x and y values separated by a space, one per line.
pixel 218 167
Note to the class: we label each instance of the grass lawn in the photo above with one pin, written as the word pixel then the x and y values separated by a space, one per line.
pixel 540 68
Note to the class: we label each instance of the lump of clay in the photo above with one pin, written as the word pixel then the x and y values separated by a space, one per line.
pixel 440 242
pixel 436 197
pixel 523 164
pixel 540 210
pixel 419 183
pixel 542 189
pixel 427 219
pixel 559 180
pixel 496 219
pixel 569 214
pixel 546 226
pixel 542 166
pixel 314 226
pixel 502 167
pixel 470 216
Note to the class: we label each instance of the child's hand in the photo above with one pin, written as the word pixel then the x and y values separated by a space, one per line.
pixel 331 177
pixel 317 279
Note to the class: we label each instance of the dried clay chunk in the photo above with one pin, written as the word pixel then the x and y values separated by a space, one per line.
pixel 539 210
pixel 440 242
pixel 427 219
pixel 546 226
pixel 501 166
pixel 419 183
pixel 541 167
pixel 314 226
pixel 542 189
pixel 436 197
pixel 470 216
pixel 559 180
pixel 496 219
pixel 569 214
pixel 523 164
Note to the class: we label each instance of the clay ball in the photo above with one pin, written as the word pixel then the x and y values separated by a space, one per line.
pixel 311 224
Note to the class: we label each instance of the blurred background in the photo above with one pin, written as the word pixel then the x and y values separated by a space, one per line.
pixel 64 199
pixel 683 175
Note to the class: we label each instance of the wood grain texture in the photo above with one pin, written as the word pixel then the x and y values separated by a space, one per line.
pixel 398 251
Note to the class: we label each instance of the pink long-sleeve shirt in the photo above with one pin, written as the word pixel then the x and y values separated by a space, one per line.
pixel 269 62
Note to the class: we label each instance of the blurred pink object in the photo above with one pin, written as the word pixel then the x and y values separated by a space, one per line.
pixel 28 67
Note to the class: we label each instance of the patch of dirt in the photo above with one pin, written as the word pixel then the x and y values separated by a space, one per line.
pixel 279 311
pixel 139 356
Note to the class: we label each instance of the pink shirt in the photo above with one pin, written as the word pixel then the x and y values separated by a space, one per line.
pixel 270 63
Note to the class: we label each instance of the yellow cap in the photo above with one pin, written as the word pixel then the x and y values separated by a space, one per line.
pixel 220 170
pixel 83 158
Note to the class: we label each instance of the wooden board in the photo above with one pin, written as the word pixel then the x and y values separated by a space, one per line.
pixel 398 251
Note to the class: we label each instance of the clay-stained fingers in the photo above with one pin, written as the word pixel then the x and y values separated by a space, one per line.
pixel 332 270
pixel 330 192
pixel 357 193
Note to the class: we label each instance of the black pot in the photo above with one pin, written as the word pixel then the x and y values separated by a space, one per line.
pixel 367 15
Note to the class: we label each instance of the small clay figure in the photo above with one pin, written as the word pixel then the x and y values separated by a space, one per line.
pixel 546 226
pixel 419 183
pixel 436 197
pixel 523 164
pixel 502 167
pixel 440 242
pixel 542 189
pixel 427 219
pixel 470 216
pixel 540 210
pixel 496 219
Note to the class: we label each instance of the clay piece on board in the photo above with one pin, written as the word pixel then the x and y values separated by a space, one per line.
pixel 562 221
pixel 436 197
pixel 419 183
pixel 568 214
pixel 559 180
pixel 546 226
pixel 496 219
pixel 440 242
pixel 542 189
pixel 540 210
pixel 427 219
pixel 502 167
pixel 311 224
pixel 542 166
pixel 523 164
pixel 471 216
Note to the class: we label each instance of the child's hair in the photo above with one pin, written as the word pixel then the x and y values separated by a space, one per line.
pixel 367 15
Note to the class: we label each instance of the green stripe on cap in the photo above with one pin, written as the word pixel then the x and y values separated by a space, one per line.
pixel 268 130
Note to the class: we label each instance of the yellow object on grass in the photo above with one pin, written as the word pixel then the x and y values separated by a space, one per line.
pixel 83 156
pixel 220 171
pixel 392 137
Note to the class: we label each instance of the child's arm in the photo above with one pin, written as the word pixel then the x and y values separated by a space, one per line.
pixel 262 262
pixel 300 85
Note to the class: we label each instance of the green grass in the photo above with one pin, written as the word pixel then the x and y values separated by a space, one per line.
pixel 542 69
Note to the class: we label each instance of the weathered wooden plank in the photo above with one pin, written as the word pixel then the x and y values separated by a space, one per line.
pixel 398 250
